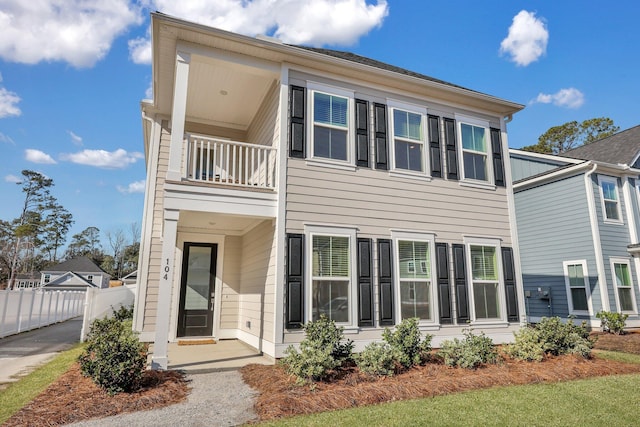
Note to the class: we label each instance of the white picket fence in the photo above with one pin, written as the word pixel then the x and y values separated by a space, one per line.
pixel 101 303
pixel 26 309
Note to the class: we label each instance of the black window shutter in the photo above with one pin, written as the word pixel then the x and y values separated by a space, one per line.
pixel 362 133
pixel 385 277
pixel 510 285
pixel 498 162
pixel 380 125
pixel 296 117
pixel 295 281
pixel 460 278
pixel 434 146
pixel 444 295
pixel 450 143
pixel 365 285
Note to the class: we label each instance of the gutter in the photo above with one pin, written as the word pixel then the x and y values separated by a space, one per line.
pixel 552 176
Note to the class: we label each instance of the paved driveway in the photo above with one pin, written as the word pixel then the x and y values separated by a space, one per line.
pixel 21 353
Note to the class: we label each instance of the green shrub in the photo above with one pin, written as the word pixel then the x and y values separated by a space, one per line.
pixel 564 338
pixel 407 344
pixel 527 345
pixel 469 352
pixel 377 359
pixel 321 352
pixel 114 358
pixel 613 322
pixel 123 313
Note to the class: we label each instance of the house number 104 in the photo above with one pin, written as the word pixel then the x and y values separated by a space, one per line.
pixel 166 270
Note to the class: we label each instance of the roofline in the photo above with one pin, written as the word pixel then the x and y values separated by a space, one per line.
pixel 510 107
pixel 551 157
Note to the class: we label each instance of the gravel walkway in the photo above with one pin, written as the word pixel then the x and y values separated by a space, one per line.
pixel 216 399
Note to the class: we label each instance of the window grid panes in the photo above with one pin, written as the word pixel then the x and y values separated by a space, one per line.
pixel 623 283
pixel 575 274
pixel 408 140
pixel 331 277
pixel 330 131
pixel 414 269
pixel 474 151
pixel 610 196
pixel 484 272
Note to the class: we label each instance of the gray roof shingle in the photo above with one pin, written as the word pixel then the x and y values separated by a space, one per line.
pixel 621 148
pixel 79 265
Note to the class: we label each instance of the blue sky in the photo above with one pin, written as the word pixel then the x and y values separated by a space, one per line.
pixel 72 76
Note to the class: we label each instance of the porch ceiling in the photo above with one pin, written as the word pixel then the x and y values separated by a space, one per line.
pixel 225 94
pixel 216 223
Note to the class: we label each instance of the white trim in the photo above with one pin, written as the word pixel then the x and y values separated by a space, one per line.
pixel 350 233
pixel 178 115
pixel 549 157
pixel 610 180
pixel 628 208
pixel 587 287
pixel 552 176
pixel 416 236
pixel 312 88
pixel 422 112
pixel 627 262
pixel 472 121
pixel 496 243
pixel 595 236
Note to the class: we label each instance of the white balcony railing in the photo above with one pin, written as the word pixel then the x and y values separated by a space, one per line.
pixel 221 161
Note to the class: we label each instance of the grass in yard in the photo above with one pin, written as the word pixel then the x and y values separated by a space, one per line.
pixel 611 400
pixel 18 394
pixel 617 356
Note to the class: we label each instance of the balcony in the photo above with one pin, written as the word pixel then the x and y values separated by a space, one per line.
pixel 224 162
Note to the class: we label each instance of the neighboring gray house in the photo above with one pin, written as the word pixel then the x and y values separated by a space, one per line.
pixel 578 219
pixel 286 182
pixel 27 280
pixel 74 274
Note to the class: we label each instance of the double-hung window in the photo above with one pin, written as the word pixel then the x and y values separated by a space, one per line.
pixel 577 283
pixel 331 268
pixel 331 123
pixel 621 273
pixel 475 145
pixel 610 199
pixel 414 271
pixel 408 140
pixel 485 282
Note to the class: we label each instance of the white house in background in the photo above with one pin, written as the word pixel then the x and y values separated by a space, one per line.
pixel 286 182
pixel 74 274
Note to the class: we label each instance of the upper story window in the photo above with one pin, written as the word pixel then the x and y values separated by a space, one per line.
pixel 408 140
pixel 47 278
pixel 610 199
pixel 577 283
pixel 90 278
pixel 475 151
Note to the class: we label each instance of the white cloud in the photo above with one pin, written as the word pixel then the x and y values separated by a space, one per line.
pixel 77 140
pixel 37 156
pixel 7 139
pixel 12 179
pixel 118 159
pixel 569 98
pixel 134 187
pixel 8 103
pixel 78 32
pixel 140 50
pixel 527 39
pixel 311 22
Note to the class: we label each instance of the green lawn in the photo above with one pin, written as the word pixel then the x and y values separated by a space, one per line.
pixel 18 394
pixel 605 401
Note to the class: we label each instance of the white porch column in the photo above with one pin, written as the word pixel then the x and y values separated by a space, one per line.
pixel 163 311
pixel 178 115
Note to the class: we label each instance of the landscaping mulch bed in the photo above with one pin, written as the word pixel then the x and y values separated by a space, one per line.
pixel 74 398
pixel 281 397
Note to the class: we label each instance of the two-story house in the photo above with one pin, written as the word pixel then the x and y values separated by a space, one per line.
pixel 74 274
pixel 287 182
pixel 578 226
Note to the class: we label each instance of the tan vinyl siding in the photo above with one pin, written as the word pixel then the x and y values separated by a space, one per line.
pixel 262 127
pixel 230 283
pixel 155 250
pixel 258 280
pixel 375 202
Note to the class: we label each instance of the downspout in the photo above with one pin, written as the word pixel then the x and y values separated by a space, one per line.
pixel 595 233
